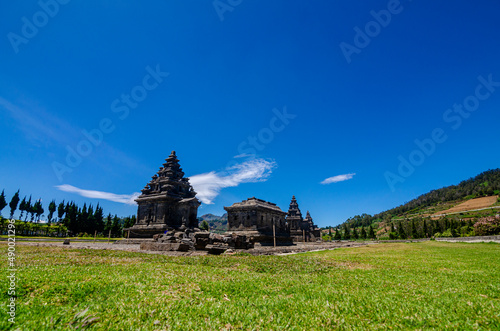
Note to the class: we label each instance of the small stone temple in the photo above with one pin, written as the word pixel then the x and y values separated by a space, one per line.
pixel 301 229
pixel 167 202
pixel 255 218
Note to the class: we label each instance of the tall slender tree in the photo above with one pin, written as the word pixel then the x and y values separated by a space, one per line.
pixel 61 209
pixel 371 233
pixel 3 203
pixel 401 231
pixel 13 203
pixel 116 226
pixel 22 208
pixel 109 223
pixel 347 233
pixel 355 234
pixel 363 233
pixel 337 236
pixel 425 230
pixel 38 209
pixel 414 234
pixel 99 216
pixel 27 208
pixel 52 209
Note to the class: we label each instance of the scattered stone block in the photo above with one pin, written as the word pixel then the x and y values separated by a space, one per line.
pixel 201 243
pixel 216 249
pixel 66 242
pixel 152 246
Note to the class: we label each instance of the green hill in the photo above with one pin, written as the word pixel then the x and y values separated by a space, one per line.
pixel 484 184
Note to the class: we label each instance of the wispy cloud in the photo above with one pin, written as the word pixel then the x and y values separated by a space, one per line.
pixel 209 185
pixel 122 198
pixel 42 128
pixel 338 178
pixel 38 125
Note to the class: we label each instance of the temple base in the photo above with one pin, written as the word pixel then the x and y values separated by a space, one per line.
pixel 146 231
pixel 264 238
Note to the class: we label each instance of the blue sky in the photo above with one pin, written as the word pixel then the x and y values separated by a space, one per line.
pixel 323 100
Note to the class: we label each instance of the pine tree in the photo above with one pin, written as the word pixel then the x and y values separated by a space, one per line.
pixel 355 233
pixel 82 219
pixel 27 209
pixel 61 209
pixel 99 216
pixel 347 233
pixel 109 224
pixel 371 233
pixel 52 209
pixel 401 231
pixel 426 232
pixel 338 236
pixel 3 203
pixel 363 233
pixel 70 220
pixel 414 234
pixel 38 209
pixel 129 221
pixel 22 208
pixel 13 203
pixel 116 226
pixel 392 227
pixel 91 224
pixel 204 225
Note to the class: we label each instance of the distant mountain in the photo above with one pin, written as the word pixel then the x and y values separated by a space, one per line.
pixel 212 217
pixel 485 184
pixel 216 223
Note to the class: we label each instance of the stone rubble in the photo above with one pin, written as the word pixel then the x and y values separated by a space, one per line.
pixel 194 239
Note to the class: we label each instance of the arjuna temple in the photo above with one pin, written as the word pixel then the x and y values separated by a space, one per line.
pixel 168 202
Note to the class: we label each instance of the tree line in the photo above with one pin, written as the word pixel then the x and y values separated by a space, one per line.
pixel 346 233
pixel 419 227
pixel 65 218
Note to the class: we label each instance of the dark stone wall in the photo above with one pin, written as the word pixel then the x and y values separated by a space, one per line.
pixel 256 220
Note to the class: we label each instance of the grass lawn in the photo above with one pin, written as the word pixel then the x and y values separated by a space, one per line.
pixel 428 285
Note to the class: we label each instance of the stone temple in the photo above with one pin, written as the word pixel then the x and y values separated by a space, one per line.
pixel 255 218
pixel 301 229
pixel 167 202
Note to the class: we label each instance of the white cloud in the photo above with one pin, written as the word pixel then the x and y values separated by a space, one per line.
pixel 122 198
pixel 338 178
pixel 209 185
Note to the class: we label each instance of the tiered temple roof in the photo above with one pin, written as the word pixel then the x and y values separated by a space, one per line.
pixel 167 202
pixel 309 221
pixel 169 181
pixel 294 213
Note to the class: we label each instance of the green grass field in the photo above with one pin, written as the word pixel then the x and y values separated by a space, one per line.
pixel 429 285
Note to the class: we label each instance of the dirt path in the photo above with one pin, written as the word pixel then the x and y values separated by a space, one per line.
pixel 470 205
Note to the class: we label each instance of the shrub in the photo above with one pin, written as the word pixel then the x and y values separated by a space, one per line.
pixel 467 231
pixel 487 226
pixel 326 237
pixel 204 225
pixel 446 233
